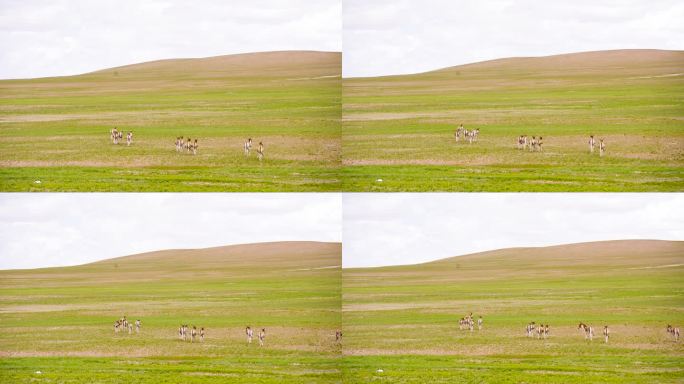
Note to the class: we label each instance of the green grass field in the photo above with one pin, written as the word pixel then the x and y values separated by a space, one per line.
pixel 56 130
pixel 59 321
pixel 401 128
pixel 403 320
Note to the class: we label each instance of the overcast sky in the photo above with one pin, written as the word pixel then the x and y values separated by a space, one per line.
pixel 67 37
pixel 40 230
pixel 399 228
pixel 383 37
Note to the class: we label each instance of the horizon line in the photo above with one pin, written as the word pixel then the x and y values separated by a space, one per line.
pixel 503 249
pixel 174 249
pixel 506 58
pixel 342 256
pixel 342 66
pixel 168 59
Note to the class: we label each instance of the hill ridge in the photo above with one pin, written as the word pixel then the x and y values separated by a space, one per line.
pixel 270 62
pixel 276 254
pixel 580 59
pixel 613 248
pixel 230 247
pixel 229 55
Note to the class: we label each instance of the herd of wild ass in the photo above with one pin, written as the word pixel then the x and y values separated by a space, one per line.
pixel 185 145
pixel 123 325
pixel 467 322
pixel 534 144
pixel 542 331
pixel 532 330
pixel 524 143
pixel 247 147
pixel 185 333
pixel 116 136
pixel 470 136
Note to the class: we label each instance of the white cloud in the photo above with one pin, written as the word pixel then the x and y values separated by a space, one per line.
pixel 390 229
pixel 40 230
pixel 66 37
pixel 383 37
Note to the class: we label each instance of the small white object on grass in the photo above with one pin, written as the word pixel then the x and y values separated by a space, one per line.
pixel 38 372
pixel 379 371
pixel 37 182
pixel 379 180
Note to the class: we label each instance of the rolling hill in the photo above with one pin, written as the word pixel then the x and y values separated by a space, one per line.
pixel 277 64
pixel 600 255
pixel 611 63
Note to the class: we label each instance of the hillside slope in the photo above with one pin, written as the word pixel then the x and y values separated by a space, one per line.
pixel 284 259
pixel 276 63
pixel 625 253
pixel 560 260
pixel 610 62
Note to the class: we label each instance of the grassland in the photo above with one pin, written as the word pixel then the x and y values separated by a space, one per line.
pixel 403 320
pixel 59 321
pixel 401 128
pixel 56 130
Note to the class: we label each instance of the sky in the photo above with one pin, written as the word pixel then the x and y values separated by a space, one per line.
pixel 41 230
pixel 380 37
pixel 59 229
pixel 385 37
pixel 66 37
pixel 400 228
